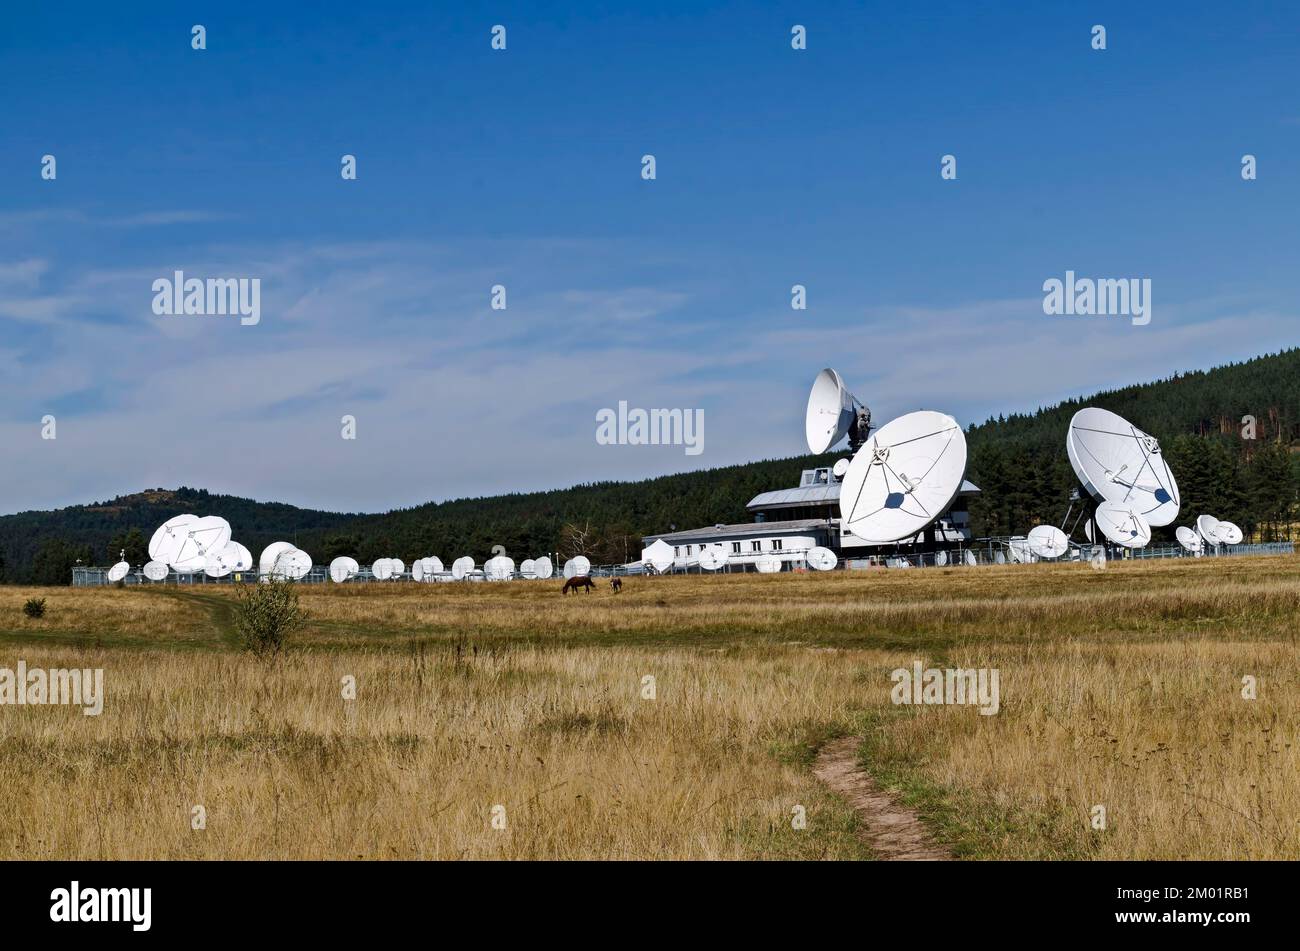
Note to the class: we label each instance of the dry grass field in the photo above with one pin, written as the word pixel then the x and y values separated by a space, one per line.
pixel 1120 689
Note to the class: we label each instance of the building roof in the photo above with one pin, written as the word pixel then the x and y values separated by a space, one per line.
pixel 717 533
pixel 818 495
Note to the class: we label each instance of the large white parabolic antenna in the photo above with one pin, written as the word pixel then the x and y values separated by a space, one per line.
pixel 119 571
pixel 712 557
pixel 578 566
pixel 1117 462
pixel 155 570
pixel 1123 525
pixel 1230 534
pixel 659 555
pixel 1207 526
pixel 342 568
pixel 543 568
pixel 170 536
pixel 266 562
pixel 1189 539
pixel 1048 541
pixel 767 564
pixel 462 567
pixel 904 478
pixel 499 568
pixel 528 568
pixel 834 413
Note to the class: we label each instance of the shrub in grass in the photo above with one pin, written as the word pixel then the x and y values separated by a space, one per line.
pixel 266 615
pixel 35 607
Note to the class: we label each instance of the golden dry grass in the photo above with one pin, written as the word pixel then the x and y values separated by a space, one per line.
pixel 1119 688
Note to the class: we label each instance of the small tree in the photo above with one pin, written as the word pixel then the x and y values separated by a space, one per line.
pixel 267 614
pixel 35 607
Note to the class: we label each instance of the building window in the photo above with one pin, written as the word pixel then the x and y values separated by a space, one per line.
pixel 688 551
pixel 776 544
pixel 756 546
pixel 677 552
pixel 735 548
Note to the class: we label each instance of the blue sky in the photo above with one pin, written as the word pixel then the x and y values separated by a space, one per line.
pixel 522 168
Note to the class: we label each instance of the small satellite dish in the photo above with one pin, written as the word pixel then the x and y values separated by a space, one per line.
pixel 1208 527
pixel 399 567
pixel 214 566
pixel 382 569
pixel 342 568
pixel 1230 534
pixel 821 559
pixel 528 568
pixel 970 558
pixel 293 564
pixel 940 559
pixel 499 568
pixel 417 570
pixel 1188 538
pixel 660 555
pixel 118 571
pixel 904 478
pixel 461 568
pixel 239 557
pixel 1087 530
pixel 156 570
pixel 1048 541
pixel 577 567
pixel 270 554
pixel 1018 549
pixel 543 568
pixel 1117 462
pixel 1123 525
pixel 432 566
pixel 767 565
pixel 170 536
pixel 841 466
pixel 834 413
pixel 712 557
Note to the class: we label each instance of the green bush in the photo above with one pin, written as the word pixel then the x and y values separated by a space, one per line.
pixel 35 607
pixel 267 614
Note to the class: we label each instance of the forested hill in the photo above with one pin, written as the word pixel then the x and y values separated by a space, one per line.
pixel 1019 462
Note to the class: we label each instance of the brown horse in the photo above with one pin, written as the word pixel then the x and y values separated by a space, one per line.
pixel 616 584
pixel 576 583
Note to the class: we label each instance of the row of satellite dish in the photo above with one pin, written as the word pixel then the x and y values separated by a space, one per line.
pixel 190 545
pixel 906 474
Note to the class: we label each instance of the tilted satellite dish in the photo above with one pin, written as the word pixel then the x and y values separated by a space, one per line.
pixel 970 558
pixel 841 466
pixel 215 566
pixel 528 568
pixel 156 570
pixel 659 555
pixel 462 567
pixel 170 536
pixel 499 568
pixel 1048 541
pixel 119 571
pixel 999 558
pixel 543 568
pixel 240 558
pixel 904 478
pixel 1208 528
pixel 1087 530
pixel 266 561
pixel 767 565
pixel 1018 549
pixel 940 559
pixel 1188 538
pixel 577 567
pixel 210 533
pixel 1117 462
pixel 1230 534
pixel 1122 525
pixel 417 570
pixel 342 568
pixel 821 559
pixel 293 564
pixel 399 567
pixel 834 413
pixel 712 557
pixel 382 569
pixel 432 566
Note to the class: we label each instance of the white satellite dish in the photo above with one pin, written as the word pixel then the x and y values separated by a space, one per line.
pixel 1230 534
pixel 499 568
pixel 1208 528
pixel 1087 530
pixel 1189 539
pixel 462 567
pixel 342 568
pixel 543 568
pixel 712 557
pixel 999 558
pixel 841 466
pixel 659 555
pixel 821 559
pixel 240 558
pixel 577 567
pixel 1123 525
pixel 156 570
pixel 1018 549
pixel 767 565
pixel 528 568
pixel 432 566
pixel 940 559
pixel 904 478
pixel 417 570
pixel 1117 462
pixel 119 571
pixel 833 413
pixel 399 567
pixel 293 564
pixel 214 566
pixel 210 533
pixel 382 569
pixel 970 558
pixel 169 538
pixel 266 561
pixel 1048 541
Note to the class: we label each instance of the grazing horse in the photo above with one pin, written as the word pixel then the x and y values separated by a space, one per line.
pixel 576 583
pixel 616 585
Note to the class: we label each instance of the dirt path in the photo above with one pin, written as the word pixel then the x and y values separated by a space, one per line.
pixel 893 831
